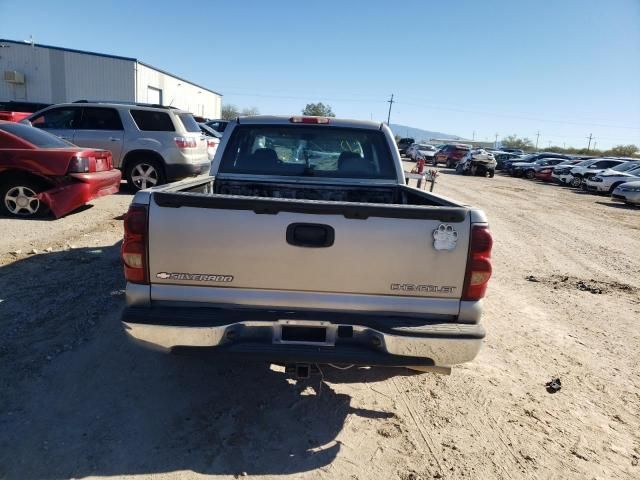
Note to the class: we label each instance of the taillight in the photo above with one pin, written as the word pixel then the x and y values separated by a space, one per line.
pixel 81 164
pixel 212 147
pixel 186 142
pixel 134 245
pixel 316 120
pixel 478 263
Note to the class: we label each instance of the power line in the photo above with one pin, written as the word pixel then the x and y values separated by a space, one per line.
pixel 519 117
pixel 433 107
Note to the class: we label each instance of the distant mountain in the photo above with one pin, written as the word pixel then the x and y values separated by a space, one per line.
pixel 420 134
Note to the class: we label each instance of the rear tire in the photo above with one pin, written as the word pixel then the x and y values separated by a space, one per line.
pixel 18 198
pixel 530 174
pixel 144 173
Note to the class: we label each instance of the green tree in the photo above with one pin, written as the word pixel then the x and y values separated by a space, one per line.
pixel 623 151
pixel 318 110
pixel 229 112
pixel 513 141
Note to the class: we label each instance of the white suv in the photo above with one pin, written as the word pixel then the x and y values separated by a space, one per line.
pixel 580 173
pixel 151 144
pixel 607 181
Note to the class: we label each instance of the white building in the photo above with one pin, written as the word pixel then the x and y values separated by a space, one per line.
pixel 41 73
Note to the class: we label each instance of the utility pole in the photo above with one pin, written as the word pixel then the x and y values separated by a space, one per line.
pixel 594 145
pixel 537 137
pixel 390 105
pixel 495 144
pixel 590 138
pixel 473 136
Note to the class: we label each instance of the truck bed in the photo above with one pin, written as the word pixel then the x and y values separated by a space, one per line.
pixel 353 201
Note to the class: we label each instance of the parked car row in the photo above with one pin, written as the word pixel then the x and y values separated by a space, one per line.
pixel 40 172
pixel 150 144
pixel 618 177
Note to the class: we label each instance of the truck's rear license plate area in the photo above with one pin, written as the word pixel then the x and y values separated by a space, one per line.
pixel 304 334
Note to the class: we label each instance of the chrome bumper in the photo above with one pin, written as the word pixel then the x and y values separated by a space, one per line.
pixel 440 344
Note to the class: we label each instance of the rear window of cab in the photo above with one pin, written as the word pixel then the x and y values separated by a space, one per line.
pixel 308 151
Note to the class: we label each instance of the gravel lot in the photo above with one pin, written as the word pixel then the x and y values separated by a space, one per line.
pixel 79 401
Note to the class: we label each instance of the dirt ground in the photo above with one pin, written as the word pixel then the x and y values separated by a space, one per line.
pixel 78 401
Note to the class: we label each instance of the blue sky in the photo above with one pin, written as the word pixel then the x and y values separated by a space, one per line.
pixel 567 68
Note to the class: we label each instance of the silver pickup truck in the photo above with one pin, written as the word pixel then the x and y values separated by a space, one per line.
pixel 306 247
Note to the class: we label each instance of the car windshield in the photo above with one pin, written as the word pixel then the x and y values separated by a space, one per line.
pixel 623 167
pixel 207 130
pixel 585 163
pixel 295 150
pixel 35 136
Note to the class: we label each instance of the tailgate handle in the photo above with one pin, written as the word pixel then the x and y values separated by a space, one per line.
pixel 310 235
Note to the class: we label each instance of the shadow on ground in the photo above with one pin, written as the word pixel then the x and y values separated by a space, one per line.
pixel 79 399
pixel 622 206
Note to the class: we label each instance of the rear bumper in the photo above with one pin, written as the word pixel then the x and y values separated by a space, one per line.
pixel 88 186
pixel 176 171
pixel 357 339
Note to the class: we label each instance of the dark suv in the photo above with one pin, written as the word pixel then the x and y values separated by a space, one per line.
pixel 451 154
pixel 405 143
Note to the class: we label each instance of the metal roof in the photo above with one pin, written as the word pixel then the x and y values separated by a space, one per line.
pixel 106 55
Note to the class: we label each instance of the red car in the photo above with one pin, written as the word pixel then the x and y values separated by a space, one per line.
pixel 545 172
pixel 40 172
pixel 451 154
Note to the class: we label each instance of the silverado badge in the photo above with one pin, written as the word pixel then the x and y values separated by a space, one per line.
pixel 445 237
pixel 198 277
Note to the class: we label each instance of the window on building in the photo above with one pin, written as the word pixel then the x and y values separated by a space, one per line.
pixel 152 121
pixel 154 95
pixel 100 119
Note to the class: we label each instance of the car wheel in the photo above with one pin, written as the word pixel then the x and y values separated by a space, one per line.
pixel 144 173
pixel 491 173
pixel 576 182
pixel 19 198
pixel 614 186
pixel 530 174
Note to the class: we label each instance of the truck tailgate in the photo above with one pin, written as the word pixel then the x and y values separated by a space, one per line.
pixel 250 248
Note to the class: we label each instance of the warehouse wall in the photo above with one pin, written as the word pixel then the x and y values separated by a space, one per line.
pixel 152 85
pixel 55 76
